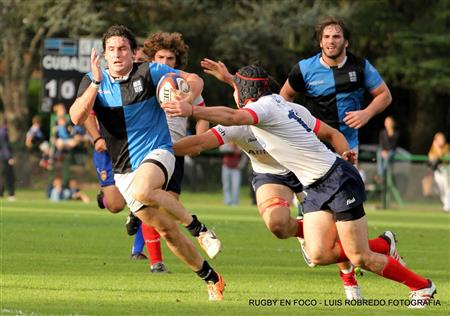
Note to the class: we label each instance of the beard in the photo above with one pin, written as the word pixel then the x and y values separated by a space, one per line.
pixel 336 54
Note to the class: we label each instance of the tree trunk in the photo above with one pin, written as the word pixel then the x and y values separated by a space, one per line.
pixel 16 108
pixel 424 122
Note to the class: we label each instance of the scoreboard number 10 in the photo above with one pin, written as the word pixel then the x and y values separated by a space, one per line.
pixel 66 89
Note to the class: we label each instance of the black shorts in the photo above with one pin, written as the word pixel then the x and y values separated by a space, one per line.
pixel 177 176
pixel 341 190
pixel 289 180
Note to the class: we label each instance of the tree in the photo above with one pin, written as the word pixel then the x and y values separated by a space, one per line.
pixel 24 24
pixel 409 42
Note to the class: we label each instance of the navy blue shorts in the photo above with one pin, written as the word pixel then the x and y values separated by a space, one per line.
pixel 340 190
pixel 289 180
pixel 103 168
pixel 177 176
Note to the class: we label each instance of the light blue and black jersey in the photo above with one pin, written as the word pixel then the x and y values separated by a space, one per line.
pixel 130 117
pixel 329 93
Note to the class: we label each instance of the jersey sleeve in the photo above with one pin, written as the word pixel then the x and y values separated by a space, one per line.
pixel 225 134
pixel 199 101
pixel 308 119
pixel 372 78
pixel 158 70
pixel 296 80
pixel 84 84
pixel 258 111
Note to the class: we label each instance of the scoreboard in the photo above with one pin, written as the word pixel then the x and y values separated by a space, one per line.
pixel 64 63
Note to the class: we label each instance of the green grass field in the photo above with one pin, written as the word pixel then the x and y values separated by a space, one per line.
pixel 72 258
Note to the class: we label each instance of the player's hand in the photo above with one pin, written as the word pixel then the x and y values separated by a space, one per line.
pixel 100 145
pixel 178 107
pixel 95 66
pixel 351 156
pixel 356 119
pixel 217 69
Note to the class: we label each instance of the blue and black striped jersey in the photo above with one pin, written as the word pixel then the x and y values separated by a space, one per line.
pixel 130 117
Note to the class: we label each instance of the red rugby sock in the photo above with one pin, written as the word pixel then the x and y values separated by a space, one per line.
pixel 153 243
pixel 396 272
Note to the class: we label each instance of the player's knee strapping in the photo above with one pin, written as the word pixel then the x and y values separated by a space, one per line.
pixel 272 203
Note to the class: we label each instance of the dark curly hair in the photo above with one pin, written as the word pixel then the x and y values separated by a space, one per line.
pixel 170 41
pixel 331 20
pixel 122 31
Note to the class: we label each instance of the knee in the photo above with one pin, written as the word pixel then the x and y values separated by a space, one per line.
pixel 317 255
pixel 279 230
pixel 143 196
pixel 359 259
pixel 168 231
pixel 115 207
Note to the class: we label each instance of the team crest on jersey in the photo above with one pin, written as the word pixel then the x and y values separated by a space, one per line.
pixel 103 175
pixel 352 76
pixel 137 85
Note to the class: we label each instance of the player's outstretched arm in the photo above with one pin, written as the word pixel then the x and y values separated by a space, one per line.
pixel 194 145
pixel 217 69
pixel 218 114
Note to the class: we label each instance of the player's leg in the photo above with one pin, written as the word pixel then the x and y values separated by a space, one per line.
pixel 353 236
pixel 183 248
pixel 226 184
pixel 320 237
pixel 179 244
pixel 153 244
pixel 273 206
pixel 235 185
pixel 151 176
pixel 138 246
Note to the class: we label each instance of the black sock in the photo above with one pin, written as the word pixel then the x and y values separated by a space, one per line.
pixel 207 273
pixel 196 227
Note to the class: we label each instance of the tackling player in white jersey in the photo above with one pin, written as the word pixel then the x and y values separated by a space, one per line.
pixel 335 224
pixel 274 186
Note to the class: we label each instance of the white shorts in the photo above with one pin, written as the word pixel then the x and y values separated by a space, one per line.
pixel 124 182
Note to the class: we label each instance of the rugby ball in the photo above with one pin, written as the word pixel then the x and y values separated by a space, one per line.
pixel 169 86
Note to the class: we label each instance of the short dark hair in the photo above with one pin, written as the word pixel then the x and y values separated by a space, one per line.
pixel 122 31
pixel 170 41
pixel 331 20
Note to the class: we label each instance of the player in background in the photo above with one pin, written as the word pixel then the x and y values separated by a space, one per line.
pixel 138 141
pixel 332 83
pixel 335 225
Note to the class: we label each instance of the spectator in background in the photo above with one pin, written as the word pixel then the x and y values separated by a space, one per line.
pixel 63 138
pixel 232 163
pixel 6 162
pixel 75 192
pixel 56 191
pixel 387 140
pixel 441 170
pixel 35 139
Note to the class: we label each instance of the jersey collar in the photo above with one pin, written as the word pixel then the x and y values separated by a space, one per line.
pixel 121 79
pixel 340 65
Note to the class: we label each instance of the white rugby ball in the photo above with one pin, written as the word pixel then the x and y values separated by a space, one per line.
pixel 169 86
